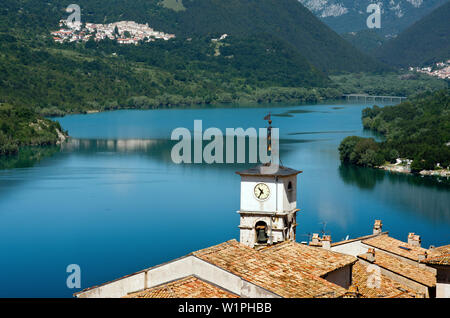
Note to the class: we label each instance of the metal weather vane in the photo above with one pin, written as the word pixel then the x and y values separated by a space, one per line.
pixel 269 132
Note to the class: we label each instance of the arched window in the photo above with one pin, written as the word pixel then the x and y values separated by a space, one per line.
pixel 290 192
pixel 261 232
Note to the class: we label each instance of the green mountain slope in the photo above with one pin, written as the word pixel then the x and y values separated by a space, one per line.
pixel 425 42
pixel 285 20
pixel 56 79
pixel 367 41
pixel 276 50
pixel 417 129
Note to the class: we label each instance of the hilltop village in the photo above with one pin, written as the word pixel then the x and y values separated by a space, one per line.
pixel 124 32
pixel 440 69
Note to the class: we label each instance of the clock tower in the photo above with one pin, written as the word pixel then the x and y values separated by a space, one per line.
pixel 268 206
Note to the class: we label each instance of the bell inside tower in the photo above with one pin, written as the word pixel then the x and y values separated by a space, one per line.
pixel 261 232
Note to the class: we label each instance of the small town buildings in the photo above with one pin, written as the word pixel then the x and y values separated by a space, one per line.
pixel 124 32
pixel 440 69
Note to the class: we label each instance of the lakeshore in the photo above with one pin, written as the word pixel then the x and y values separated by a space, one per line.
pixel 399 168
pixel 113 185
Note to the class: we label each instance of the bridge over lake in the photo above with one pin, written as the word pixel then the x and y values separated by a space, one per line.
pixel 373 98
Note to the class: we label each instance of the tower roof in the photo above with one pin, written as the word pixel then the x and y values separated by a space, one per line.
pixel 265 170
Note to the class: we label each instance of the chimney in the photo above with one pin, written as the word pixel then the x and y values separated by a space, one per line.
pixel 421 258
pixel 371 255
pixel 413 239
pixel 315 240
pixel 326 242
pixel 377 227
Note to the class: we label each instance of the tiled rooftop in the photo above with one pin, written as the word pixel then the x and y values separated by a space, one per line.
pixel 445 249
pixel 403 268
pixel 442 259
pixel 279 269
pixel 439 260
pixel 262 170
pixel 317 261
pixel 388 288
pixel 188 287
pixel 392 245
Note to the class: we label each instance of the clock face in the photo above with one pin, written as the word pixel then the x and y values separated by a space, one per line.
pixel 261 191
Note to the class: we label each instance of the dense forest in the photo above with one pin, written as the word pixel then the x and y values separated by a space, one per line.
pixel 387 84
pixel 20 126
pixel 367 41
pixel 56 79
pixel 418 129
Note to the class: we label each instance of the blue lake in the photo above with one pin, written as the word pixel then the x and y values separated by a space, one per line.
pixel 113 202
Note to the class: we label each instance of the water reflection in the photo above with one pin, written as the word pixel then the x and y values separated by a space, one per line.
pixel 115 145
pixel 364 178
pixel 27 157
pixel 424 196
pixel 160 149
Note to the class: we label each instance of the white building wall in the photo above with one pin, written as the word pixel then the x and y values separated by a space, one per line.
pixel 248 199
pixel 443 290
pixel 443 282
pixel 177 269
pixel 117 288
pixel 353 248
pixel 289 198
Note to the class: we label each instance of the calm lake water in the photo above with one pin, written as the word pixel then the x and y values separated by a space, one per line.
pixel 113 202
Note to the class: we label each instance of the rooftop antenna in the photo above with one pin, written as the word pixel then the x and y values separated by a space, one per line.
pixel 324 226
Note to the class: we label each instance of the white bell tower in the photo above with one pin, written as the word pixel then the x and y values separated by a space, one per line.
pixel 268 206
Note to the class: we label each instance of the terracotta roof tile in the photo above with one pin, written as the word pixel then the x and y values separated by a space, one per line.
pixel 388 288
pixel 188 287
pixel 392 245
pixel 445 249
pixel 403 268
pixel 439 260
pixel 279 269
pixel 317 261
pixel 442 259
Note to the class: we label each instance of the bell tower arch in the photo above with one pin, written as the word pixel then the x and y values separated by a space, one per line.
pixel 268 207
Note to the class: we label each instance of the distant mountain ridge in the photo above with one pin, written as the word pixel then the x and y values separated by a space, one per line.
pixel 425 42
pixel 345 16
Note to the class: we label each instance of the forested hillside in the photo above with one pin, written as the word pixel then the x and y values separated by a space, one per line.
pixel 275 51
pixel 285 20
pixel 418 129
pixel 425 42
pixel 56 79
pixel 367 41
pixel 20 126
